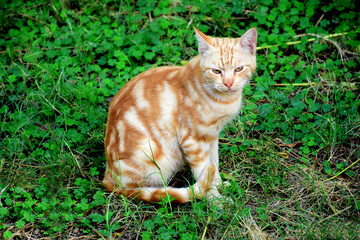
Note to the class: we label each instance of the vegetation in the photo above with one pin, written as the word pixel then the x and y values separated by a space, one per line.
pixel 291 156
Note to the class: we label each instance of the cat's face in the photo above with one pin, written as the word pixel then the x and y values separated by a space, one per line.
pixel 227 63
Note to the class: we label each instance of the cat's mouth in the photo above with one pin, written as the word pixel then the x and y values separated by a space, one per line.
pixel 229 90
pixel 224 90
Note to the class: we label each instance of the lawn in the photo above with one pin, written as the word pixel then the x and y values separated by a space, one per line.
pixel 291 156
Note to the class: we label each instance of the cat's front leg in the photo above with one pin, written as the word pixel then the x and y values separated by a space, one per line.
pixel 214 158
pixel 205 171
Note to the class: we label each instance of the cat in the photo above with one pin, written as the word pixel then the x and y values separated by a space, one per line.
pixel 168 116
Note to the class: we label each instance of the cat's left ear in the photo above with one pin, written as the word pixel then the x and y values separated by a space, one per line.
pixel 205 42
pixel 248 40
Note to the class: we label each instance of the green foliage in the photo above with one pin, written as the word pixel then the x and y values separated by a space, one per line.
pixel 62 61
pixel 161 227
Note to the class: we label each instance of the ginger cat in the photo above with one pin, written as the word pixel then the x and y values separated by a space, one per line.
pixel 168 116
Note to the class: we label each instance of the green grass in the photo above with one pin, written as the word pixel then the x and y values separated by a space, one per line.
pixel 291 156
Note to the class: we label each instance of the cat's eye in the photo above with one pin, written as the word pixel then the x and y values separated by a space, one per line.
pixel 216 71
pixel 239 69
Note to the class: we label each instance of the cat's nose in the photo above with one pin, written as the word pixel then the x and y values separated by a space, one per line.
pixel 228 83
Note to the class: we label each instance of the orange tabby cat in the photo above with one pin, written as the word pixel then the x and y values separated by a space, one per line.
pixel 169 116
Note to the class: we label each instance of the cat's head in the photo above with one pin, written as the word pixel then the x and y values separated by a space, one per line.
pixel 227 63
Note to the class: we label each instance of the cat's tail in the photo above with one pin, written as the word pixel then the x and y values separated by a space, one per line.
pixel 200 189
pixel 153 194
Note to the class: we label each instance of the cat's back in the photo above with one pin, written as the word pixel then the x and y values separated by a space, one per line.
pixel 148 93
pixel 149 81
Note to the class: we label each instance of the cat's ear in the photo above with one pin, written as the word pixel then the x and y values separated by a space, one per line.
pixel 205 42
pixel 248 40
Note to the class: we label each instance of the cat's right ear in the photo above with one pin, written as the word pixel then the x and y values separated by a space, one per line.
pixel 205 42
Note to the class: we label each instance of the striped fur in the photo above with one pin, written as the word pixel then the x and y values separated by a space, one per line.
pixel 168 116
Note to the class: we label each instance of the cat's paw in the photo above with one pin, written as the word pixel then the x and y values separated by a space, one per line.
pixel 222 203
pixel 217 200
pixel 221 187
pixel 226 183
